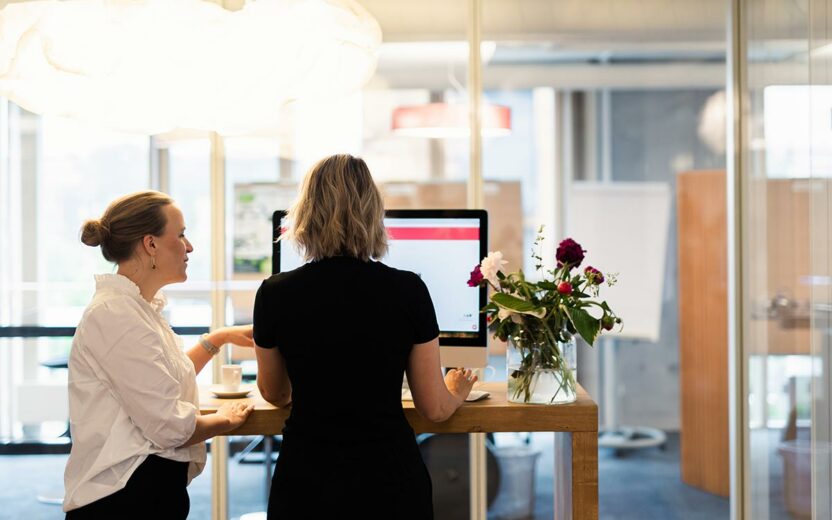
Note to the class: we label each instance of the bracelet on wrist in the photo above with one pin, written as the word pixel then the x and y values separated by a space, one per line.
pixel 208 346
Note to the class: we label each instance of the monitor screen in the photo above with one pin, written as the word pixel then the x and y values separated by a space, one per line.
pixel 442 247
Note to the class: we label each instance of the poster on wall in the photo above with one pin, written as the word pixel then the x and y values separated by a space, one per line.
pixel 254 204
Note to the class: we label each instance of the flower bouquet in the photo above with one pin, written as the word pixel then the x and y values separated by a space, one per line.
pixel 540 318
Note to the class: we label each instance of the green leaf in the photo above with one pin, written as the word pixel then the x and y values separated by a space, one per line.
pixel 518 305
pixel 587 326
pixel 490 307
pixel 547 286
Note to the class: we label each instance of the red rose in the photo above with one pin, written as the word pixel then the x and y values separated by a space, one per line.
pixel 476 277
pixel 565 288
pixel 570 252
pixel 594 276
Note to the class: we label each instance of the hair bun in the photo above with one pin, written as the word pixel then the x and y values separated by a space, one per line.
pixel 94 232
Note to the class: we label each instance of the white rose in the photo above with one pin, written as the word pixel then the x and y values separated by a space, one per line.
pixel 490 265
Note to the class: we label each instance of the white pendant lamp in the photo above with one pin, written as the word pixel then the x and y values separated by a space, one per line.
pixel 156 65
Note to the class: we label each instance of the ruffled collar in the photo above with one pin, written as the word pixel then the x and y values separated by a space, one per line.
pixel 125 285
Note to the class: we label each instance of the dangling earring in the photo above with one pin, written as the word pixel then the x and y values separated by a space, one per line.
pixel 153 262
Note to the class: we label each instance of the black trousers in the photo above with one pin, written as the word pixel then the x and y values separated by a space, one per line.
pixel 157 490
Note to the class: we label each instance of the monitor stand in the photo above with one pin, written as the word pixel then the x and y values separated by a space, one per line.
pixel 463 357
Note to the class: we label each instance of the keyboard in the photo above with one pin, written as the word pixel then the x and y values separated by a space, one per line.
pixel 475 395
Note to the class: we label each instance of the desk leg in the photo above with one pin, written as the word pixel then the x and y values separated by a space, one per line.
pixel 563 476
pixel 479 487
pixel 219 478
pixel 585 475
pixel 576 476
pixel 267 462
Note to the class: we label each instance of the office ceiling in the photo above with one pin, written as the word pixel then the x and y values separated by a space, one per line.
pixel 582 20
pixel 541 20
pixel 577 43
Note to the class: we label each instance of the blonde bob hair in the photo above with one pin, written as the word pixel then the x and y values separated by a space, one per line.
pixel 339 212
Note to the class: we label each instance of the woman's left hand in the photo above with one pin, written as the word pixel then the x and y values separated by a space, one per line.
pixel 240 335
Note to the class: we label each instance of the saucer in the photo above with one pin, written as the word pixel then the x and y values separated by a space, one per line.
pixel 221 392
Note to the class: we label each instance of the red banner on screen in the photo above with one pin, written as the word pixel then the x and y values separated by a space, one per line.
pixel 433 233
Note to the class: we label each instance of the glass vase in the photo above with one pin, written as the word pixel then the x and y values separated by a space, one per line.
pixel 541 371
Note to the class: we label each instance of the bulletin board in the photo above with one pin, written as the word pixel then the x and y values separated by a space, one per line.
pixel 254 204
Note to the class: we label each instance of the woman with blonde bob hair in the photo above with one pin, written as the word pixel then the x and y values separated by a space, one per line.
pixel 346 321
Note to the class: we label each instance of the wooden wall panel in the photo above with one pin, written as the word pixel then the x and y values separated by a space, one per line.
pixel 703 330
pixel 786 268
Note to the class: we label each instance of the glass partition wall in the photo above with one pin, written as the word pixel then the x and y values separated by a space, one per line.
pixel 54 173
pixel 785 166
pixel 820 231
pixel 618 121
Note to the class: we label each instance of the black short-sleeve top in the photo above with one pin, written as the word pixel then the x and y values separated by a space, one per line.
pixel 345 328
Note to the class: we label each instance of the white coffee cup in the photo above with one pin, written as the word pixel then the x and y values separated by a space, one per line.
pixel 483 373
pixel 489 369
pixel 232 377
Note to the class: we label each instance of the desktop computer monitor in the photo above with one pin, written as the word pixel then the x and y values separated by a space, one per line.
pixel 442 247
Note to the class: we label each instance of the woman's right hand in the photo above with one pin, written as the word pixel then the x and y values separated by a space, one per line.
pixel 236 413
pixel 460 381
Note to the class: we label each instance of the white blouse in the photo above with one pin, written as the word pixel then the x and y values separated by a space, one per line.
pixel 132 393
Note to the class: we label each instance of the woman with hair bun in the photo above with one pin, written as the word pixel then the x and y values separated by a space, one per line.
pixel 137 435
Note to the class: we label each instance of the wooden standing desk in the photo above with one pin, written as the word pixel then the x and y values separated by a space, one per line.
pixel 575 424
